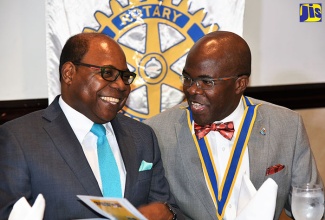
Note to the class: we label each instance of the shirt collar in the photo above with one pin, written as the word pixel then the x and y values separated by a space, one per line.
pixel 79 123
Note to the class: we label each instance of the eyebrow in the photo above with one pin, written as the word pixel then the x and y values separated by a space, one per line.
pixel 201 76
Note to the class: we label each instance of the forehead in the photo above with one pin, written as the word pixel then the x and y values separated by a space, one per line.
pixel 101 46
pixel 203 68
pixel 104 51
pixel 210 56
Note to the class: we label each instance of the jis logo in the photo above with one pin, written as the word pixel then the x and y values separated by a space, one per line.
pixel 155 36
pixel 310 12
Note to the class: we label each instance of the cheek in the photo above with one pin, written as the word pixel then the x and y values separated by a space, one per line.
pixel 222 100
pixel 85 89
pixel 125 95
pixel 217 98
pixel 214 95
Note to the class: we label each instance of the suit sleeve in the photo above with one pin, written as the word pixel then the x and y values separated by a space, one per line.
pixel 304 168
pixel 160 190
pixel 14 178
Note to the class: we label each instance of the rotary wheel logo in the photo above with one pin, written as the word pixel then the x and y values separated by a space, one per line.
pixel 155 36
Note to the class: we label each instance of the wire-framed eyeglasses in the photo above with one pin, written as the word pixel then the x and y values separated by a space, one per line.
pixel 205 83
pixel 110 73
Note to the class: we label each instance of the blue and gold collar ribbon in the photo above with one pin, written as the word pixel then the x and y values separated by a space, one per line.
pixel 221 196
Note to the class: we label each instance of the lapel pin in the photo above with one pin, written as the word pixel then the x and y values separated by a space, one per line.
pixel 263 131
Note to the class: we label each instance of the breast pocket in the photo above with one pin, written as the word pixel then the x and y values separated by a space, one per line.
pixel 144 175
pixel 279 176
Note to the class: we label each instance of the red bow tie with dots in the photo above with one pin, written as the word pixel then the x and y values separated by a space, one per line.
pixel 225 129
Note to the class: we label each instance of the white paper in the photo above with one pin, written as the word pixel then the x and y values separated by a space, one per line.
pixel 113 208
pixel 259 204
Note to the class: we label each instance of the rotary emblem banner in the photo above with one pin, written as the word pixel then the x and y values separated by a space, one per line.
pixel 155 36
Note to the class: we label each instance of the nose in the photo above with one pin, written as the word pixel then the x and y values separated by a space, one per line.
pixel 119 84
pixel 195 88
pixel 197 84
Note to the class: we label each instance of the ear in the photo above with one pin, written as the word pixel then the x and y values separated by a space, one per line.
pixel 67 71
pixel 241 84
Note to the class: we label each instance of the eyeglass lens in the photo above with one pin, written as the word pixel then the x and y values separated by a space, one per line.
pixel 200 83
pixel 111 74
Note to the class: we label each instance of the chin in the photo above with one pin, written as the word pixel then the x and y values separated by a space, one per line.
pixel 199 120
pixel 106 118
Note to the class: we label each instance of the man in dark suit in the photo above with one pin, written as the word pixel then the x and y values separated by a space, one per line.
pixel 54 152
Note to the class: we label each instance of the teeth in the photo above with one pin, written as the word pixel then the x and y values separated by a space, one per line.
pixel 196 104
pixel 110 99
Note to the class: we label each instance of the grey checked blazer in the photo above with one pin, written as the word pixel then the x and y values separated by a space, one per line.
pixel 285 142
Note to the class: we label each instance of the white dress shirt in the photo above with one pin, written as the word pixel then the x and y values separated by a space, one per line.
pixel 221 149
pixel 81 126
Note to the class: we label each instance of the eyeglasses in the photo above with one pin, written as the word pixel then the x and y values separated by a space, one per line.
pixel 110 73
pixel 205 83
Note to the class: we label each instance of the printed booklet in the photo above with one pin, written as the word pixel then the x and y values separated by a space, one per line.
pixel 113 208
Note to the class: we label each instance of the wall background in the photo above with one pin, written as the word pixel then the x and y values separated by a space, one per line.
pixel 285 51
pixel 22 43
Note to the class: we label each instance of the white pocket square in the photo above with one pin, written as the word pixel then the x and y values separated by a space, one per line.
pixel 23 211
pixel 145 166
pixel 257 204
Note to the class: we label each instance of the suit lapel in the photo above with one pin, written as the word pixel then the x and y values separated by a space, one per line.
pixel 193 167
pixel 128 154
pixel 69 147
pixel 258 149
pixel 192 163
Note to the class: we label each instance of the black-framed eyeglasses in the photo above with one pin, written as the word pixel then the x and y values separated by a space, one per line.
pixel 110 73
pixel 205 83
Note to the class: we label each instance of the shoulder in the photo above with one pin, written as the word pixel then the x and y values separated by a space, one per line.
pixel 129 123
pixel 28 120
pixel 268 109
pixel 22 130
pixel 34 121
pixel 132 130
pixel 171 115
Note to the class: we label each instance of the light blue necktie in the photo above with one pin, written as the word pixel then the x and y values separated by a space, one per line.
pixel 109 173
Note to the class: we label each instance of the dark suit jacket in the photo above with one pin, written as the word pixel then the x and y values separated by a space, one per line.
pixel 39 153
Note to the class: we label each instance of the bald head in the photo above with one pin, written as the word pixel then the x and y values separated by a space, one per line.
pixel 220 64
pixel 222 50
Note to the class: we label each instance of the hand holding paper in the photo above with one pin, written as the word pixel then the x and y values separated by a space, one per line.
pixel 112 208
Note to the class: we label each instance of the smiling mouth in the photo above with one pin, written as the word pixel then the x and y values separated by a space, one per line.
pixel 111 100
pixel 195 106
